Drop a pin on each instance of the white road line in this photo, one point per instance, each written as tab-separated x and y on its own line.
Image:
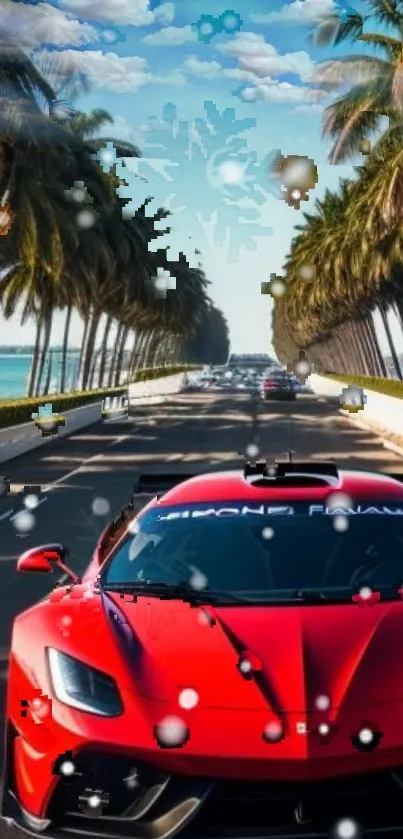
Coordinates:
84	464
20	512
9	513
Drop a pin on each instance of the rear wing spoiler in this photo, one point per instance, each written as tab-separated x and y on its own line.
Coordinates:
159	482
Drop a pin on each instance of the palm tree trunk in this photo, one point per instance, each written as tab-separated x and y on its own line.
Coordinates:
359	349
142	337
149	348
132	359
146	348
44	352
104	350
383	309
140	352
46	387
399	307
350	353
335	352
35	358
83	349
340	360
120	355
380	361
363	346
325	350
371	360
161	351
374	368
155	350
113	361
89	350
93	370
65	349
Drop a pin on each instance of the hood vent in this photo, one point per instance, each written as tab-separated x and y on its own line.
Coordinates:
292	474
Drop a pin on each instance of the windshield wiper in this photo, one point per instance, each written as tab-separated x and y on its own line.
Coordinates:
343	594
179	591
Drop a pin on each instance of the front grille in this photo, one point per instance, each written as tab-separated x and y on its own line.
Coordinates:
231	810
252	809
105	772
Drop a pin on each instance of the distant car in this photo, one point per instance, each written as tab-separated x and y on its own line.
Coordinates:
278	385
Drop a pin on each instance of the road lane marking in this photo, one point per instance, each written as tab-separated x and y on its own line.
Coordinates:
9	514
61	480
27	510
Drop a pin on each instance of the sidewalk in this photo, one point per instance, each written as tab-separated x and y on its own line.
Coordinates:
382	414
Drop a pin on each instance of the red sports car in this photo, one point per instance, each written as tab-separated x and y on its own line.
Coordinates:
229	665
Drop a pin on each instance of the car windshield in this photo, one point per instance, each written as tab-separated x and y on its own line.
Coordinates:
261	552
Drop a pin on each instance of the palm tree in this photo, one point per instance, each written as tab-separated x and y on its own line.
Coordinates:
209	343
374	80
331	309
104	272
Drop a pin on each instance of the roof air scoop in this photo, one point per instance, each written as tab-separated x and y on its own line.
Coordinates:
291	473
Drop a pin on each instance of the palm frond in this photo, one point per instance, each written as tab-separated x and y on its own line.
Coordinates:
391	46
387	12
331	30
352	69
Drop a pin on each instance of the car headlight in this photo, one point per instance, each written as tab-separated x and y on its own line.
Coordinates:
83	687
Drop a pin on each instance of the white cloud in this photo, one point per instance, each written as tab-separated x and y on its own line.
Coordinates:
309	109
213	70
175	79
201	69
266	88
32	26
165	14
285	92
256	56
172	36
120	12
300	12
108	71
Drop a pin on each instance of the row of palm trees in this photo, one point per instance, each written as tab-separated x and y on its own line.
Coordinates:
70	249
346	259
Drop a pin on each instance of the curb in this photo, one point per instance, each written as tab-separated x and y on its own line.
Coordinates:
365	426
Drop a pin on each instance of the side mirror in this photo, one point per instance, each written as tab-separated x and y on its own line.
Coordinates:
44	558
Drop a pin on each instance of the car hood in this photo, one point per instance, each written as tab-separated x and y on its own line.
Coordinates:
348	652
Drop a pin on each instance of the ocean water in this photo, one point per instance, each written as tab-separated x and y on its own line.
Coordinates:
15	369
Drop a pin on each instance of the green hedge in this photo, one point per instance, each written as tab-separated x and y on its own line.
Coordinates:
390	387
18	411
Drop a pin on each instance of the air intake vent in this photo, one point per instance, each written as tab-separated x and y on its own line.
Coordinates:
324	468
297	481
291	473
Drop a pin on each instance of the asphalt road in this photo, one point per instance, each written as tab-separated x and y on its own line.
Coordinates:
86	478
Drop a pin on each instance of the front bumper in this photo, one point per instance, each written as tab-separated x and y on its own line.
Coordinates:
159	805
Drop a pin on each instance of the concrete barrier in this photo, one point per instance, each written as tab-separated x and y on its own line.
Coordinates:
380	411
20	439
23	438
156	387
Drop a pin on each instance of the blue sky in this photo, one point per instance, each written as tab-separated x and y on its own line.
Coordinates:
149	69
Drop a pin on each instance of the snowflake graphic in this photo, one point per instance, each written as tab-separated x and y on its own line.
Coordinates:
112	35
207	27
247	93
230	22
106	157
204	173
